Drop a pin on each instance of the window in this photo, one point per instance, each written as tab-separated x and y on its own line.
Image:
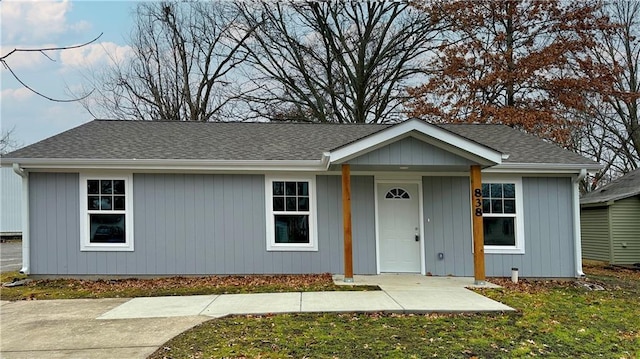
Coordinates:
106	213
502	216
397	193
290	214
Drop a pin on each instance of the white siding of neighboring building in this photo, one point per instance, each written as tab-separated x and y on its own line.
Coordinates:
10	201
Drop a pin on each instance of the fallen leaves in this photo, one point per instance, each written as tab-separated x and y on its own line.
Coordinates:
136	287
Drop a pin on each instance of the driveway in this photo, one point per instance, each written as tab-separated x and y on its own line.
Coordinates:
10	256
69	329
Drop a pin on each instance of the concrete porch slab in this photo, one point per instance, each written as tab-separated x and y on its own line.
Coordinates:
411	281
370	301
419	293
160	307
259	303
445	300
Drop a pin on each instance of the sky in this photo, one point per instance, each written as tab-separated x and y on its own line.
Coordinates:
37	24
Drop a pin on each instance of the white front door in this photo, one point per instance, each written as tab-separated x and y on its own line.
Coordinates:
399	227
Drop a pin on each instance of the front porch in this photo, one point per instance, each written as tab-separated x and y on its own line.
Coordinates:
415	293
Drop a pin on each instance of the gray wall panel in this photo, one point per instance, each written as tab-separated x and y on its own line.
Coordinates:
54	227
363	224
549	248
548	229
447	225
410	151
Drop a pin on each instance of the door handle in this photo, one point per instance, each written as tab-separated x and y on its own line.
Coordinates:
417	237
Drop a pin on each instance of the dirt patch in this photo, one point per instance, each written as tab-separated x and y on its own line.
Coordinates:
601	269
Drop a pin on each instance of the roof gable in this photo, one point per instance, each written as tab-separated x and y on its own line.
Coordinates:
411	151
429	133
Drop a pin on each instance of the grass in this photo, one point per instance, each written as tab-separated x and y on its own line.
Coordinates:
129	288
554	319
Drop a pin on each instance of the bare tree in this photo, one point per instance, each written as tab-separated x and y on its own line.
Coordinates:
7	142
611	133
334	61
180	69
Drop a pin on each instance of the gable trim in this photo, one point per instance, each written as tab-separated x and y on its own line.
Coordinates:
436	136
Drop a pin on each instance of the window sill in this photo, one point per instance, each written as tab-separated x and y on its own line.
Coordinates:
291	248
503	250
107	248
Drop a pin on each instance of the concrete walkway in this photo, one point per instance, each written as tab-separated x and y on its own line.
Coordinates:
400	294
134	328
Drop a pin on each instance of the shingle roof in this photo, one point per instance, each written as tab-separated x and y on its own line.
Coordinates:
623	187
521	147
116	139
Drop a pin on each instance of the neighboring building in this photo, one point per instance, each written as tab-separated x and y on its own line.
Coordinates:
10	203
170	198
610	221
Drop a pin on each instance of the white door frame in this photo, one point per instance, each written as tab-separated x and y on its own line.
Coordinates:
406	179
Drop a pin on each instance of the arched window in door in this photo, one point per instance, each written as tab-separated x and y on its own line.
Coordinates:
397	193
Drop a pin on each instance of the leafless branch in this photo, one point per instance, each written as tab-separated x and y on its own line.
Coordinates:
335	61
43	52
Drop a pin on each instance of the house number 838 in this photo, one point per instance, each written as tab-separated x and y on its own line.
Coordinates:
477	193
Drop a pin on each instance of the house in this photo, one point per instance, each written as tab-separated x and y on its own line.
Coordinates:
610	221
167	198
10	218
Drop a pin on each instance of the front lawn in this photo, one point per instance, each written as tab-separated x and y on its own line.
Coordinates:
554	319
129	288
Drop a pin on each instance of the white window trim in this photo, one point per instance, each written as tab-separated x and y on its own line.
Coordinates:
271	237
85	244
518	248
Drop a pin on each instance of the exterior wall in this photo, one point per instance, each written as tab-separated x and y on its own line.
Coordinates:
10	201
55	225
215	224
447	226
625	229
410	151
594	225
549	242
195	224
549	248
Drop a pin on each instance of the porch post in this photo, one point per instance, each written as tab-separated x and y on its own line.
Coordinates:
346	222
478	230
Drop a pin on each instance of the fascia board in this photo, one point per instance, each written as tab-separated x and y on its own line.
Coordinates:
187	165
401	130
542	168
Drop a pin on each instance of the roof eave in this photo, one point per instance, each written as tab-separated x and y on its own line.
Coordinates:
544	167
608	200
169	164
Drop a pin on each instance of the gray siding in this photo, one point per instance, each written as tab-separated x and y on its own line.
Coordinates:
195	224
330	228
10	201
447	226
410	151
594	229
548	229
55	224
625	229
